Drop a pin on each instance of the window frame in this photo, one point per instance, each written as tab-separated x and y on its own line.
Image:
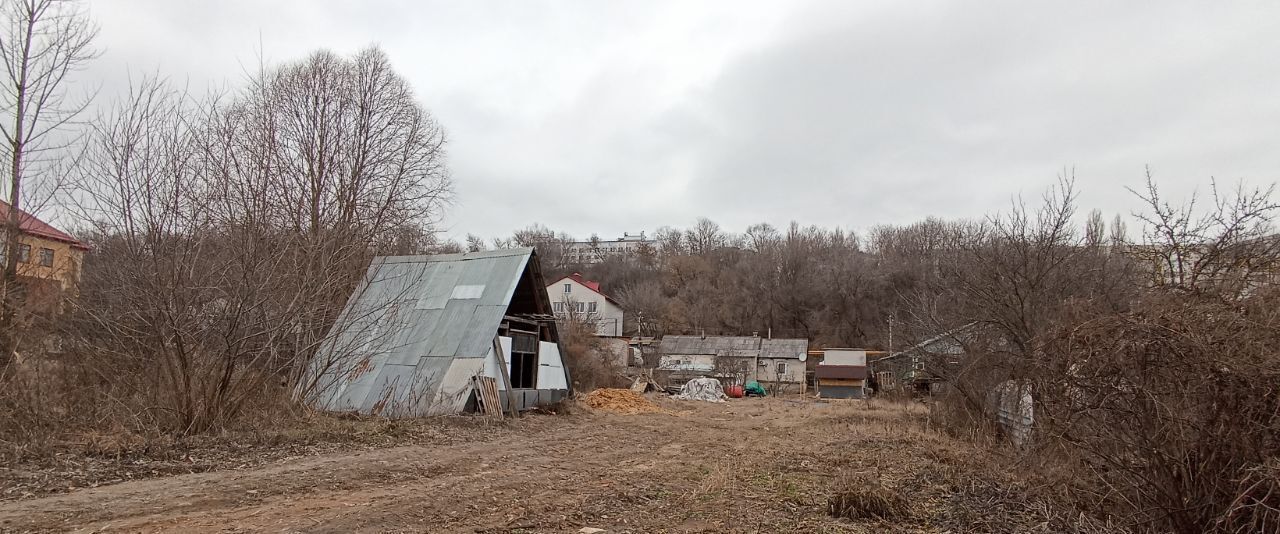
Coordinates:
568	288
24	253
46	253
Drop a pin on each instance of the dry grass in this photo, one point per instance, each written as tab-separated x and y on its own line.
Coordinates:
96	457
867	502
749	465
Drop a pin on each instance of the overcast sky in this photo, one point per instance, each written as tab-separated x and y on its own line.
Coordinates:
605	117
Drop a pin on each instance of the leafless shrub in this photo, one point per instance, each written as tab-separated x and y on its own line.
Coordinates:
1160	394
229	232
1170	406
586	357
1256	507
867	501
1227	250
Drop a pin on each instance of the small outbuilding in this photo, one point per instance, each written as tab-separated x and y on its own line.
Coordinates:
426	335
921	367
842	374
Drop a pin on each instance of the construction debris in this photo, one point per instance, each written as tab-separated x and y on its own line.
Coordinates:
702	389
644	384
623	401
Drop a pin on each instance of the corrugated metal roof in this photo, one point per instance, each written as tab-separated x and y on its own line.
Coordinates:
407	325
784	348
945	343
739	346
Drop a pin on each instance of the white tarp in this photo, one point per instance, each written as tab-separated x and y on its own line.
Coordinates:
702	389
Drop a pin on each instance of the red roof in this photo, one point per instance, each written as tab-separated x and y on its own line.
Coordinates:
594	286
31	225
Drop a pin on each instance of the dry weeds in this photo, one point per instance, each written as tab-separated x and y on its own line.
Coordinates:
748	465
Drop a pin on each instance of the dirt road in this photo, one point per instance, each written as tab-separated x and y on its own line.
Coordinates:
749	465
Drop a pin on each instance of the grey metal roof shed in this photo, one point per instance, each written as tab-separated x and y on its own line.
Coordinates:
419	328
735	346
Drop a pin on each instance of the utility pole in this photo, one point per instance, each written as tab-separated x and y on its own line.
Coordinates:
890	349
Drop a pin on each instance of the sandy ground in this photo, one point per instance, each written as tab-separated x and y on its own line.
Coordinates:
749	465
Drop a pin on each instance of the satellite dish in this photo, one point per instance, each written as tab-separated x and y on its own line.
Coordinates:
803	356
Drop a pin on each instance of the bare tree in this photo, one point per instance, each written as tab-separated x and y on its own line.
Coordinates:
475	243
41	43
1119	233
1095	230
705	236
232	230
552	247
1223	249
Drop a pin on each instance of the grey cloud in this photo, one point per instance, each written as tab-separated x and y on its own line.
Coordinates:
611	117
952	113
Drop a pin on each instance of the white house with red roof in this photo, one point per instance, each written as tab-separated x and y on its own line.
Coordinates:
575	296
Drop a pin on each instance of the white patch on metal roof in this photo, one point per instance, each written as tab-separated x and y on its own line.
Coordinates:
467	292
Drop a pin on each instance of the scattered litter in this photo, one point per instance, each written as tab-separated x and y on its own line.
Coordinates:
623	401
644	384
702	389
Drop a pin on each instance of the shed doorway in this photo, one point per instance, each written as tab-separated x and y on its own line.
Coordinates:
524	361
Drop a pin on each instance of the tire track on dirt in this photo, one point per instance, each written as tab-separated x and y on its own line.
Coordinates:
340	489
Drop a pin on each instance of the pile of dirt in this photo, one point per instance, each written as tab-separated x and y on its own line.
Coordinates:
623	401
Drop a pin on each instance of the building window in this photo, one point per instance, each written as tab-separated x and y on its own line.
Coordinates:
568	288
782	368
46	257
591	307
559	307
579	306
24	253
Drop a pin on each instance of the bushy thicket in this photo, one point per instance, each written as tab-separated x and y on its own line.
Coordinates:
1150	362
227	234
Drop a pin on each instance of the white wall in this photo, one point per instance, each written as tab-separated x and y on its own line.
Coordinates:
550	367
844	357
607	315
491	362
767	370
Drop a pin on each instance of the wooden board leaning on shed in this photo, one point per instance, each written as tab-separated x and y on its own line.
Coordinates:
487	395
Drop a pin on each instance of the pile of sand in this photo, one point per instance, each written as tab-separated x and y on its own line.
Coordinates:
623	401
